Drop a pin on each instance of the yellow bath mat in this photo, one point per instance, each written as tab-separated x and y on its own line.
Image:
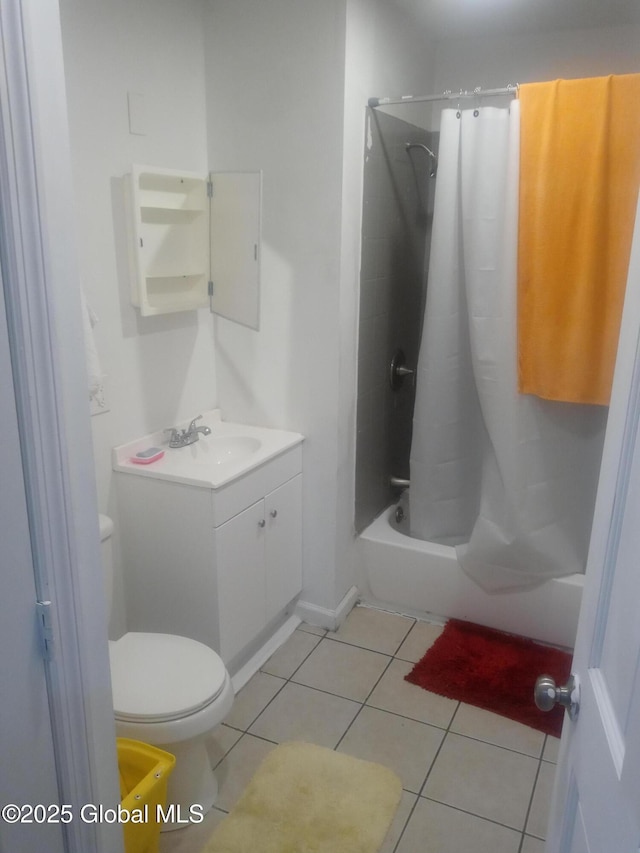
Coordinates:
309	799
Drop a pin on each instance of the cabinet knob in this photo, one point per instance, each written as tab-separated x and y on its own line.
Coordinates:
274	513
262	522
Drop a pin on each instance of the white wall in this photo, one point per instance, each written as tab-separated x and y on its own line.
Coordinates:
387	53
275	78
287	89
495	61
160	369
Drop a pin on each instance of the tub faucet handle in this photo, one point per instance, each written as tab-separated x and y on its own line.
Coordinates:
398	370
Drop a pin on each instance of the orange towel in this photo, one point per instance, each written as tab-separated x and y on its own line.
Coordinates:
579	177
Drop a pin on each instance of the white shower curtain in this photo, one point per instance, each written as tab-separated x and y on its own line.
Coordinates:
508	479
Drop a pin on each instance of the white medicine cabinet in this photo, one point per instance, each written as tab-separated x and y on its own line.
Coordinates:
195	240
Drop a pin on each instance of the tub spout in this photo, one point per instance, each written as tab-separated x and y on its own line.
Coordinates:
399	482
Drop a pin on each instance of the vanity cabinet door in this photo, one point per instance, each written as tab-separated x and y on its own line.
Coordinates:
241	579
283	554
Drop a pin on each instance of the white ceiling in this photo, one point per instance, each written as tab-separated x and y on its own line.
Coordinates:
464	18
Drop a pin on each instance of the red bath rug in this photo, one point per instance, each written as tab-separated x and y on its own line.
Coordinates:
494	671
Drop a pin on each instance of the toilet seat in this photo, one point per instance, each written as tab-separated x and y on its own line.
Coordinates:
163	677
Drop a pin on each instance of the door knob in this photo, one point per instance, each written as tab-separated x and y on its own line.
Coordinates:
547	695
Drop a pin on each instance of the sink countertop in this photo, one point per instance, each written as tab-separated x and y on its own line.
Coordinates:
231	451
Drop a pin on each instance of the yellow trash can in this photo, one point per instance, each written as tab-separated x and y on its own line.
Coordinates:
144	773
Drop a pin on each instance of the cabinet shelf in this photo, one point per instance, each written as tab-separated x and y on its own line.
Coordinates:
188	229
171	190
165	294
187	276
161	214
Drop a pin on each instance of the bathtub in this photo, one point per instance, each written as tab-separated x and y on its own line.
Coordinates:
424	579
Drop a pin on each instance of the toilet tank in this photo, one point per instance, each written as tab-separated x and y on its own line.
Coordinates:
106	530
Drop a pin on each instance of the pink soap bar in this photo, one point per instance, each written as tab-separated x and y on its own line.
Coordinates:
142	459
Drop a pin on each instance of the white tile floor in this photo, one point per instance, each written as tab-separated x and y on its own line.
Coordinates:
472	780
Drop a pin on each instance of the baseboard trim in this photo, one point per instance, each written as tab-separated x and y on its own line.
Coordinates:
322	617
263	654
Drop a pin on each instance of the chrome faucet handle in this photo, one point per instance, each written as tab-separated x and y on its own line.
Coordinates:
192	425
174	437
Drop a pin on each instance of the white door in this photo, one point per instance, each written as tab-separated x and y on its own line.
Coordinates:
28	774
596	804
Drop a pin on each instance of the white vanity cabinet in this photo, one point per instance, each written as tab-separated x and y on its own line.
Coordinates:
219	565
261	552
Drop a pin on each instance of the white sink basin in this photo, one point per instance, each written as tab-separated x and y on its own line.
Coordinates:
229	452
219	450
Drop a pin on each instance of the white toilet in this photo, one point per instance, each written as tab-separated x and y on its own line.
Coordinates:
171	692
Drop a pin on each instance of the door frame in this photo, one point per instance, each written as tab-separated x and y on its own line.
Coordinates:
37	252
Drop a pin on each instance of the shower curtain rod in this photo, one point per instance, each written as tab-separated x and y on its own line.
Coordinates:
510	89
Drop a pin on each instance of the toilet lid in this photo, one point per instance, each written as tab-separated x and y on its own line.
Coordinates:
162	676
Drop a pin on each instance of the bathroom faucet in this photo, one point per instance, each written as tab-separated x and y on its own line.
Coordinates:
182	438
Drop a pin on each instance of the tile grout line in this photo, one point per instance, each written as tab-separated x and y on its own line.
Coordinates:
415	622
391	659
479	739
533	791
358	646
479	816
246	731
277	693
289	680
364	703
286	680
522	832
447	731
424	782
339	695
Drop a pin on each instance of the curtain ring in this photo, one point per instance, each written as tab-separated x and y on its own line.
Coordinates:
476	92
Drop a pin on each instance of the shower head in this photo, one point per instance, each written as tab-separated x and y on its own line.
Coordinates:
434	160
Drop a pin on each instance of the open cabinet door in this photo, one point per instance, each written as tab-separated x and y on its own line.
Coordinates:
235	223
596	804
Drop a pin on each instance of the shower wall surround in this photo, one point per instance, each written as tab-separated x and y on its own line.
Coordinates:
396	230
